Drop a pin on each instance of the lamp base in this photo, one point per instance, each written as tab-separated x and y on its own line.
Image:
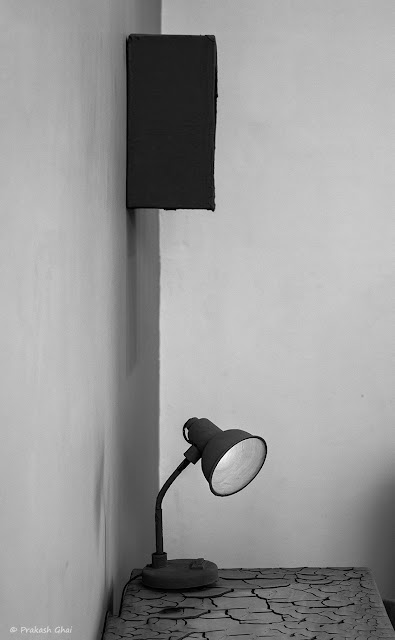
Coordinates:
181	574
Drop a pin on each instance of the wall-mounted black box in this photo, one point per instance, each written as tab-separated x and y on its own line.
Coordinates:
172	93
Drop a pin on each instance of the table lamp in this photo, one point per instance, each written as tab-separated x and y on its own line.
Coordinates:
230	460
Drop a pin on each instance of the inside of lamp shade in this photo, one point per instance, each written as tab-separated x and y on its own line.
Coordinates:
238	466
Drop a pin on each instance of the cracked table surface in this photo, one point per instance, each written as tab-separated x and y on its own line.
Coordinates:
301	603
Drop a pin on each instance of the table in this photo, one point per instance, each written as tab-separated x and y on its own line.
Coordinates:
301	603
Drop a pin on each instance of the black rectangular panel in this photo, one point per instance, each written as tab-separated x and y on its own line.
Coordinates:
172	93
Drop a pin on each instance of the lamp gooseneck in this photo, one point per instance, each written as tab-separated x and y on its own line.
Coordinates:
159	558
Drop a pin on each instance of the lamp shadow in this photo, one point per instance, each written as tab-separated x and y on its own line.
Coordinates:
380	536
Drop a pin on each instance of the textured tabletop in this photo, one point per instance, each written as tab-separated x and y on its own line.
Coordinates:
299	603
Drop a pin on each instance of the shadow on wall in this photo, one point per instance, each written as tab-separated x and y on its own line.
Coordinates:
381	538
139	440
131	293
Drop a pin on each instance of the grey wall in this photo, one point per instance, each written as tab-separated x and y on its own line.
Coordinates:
278	309
78	326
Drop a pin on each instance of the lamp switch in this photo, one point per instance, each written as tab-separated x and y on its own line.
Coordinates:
199	563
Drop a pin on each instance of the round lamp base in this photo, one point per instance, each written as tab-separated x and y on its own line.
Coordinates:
181	574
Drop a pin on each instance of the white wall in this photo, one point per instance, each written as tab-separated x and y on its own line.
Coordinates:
74	350
277	310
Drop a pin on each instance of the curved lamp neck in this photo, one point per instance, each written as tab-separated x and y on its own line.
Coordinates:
159	558
158	504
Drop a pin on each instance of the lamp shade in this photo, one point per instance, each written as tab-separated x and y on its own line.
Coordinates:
230	459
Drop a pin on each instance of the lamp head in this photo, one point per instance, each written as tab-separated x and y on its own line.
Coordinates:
230	459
